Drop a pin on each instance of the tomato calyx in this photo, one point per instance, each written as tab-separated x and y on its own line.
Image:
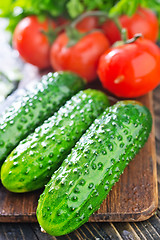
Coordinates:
74	34
52	34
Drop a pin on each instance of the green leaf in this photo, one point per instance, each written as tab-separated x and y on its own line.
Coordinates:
4	6
124	7
75	8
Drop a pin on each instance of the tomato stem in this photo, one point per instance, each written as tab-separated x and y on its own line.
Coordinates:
123	31
136	36
88	14
124	34
118	24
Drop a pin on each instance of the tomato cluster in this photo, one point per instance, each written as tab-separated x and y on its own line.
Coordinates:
128	70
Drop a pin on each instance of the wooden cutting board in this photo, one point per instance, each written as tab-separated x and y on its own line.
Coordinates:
133	198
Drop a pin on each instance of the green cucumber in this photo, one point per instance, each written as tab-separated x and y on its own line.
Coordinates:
32	163
37	105
94	165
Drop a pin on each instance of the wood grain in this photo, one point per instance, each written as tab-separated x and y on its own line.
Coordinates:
133	198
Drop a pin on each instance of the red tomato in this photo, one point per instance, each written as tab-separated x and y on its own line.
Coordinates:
82	58
111	31
32	45
88	23
143	21
130	70
61	21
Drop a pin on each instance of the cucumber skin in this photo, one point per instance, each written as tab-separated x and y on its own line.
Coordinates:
32	163
79	186
37	105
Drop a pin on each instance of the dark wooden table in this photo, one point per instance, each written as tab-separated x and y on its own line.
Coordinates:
149	229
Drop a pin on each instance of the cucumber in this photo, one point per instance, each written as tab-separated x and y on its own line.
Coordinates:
94	165
37	105
31	164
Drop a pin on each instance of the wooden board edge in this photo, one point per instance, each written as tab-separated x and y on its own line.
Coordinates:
128	217
18	218
114	217
154	156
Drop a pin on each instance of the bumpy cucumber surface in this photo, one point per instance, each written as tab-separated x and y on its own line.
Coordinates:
94	165
33	161
37	105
